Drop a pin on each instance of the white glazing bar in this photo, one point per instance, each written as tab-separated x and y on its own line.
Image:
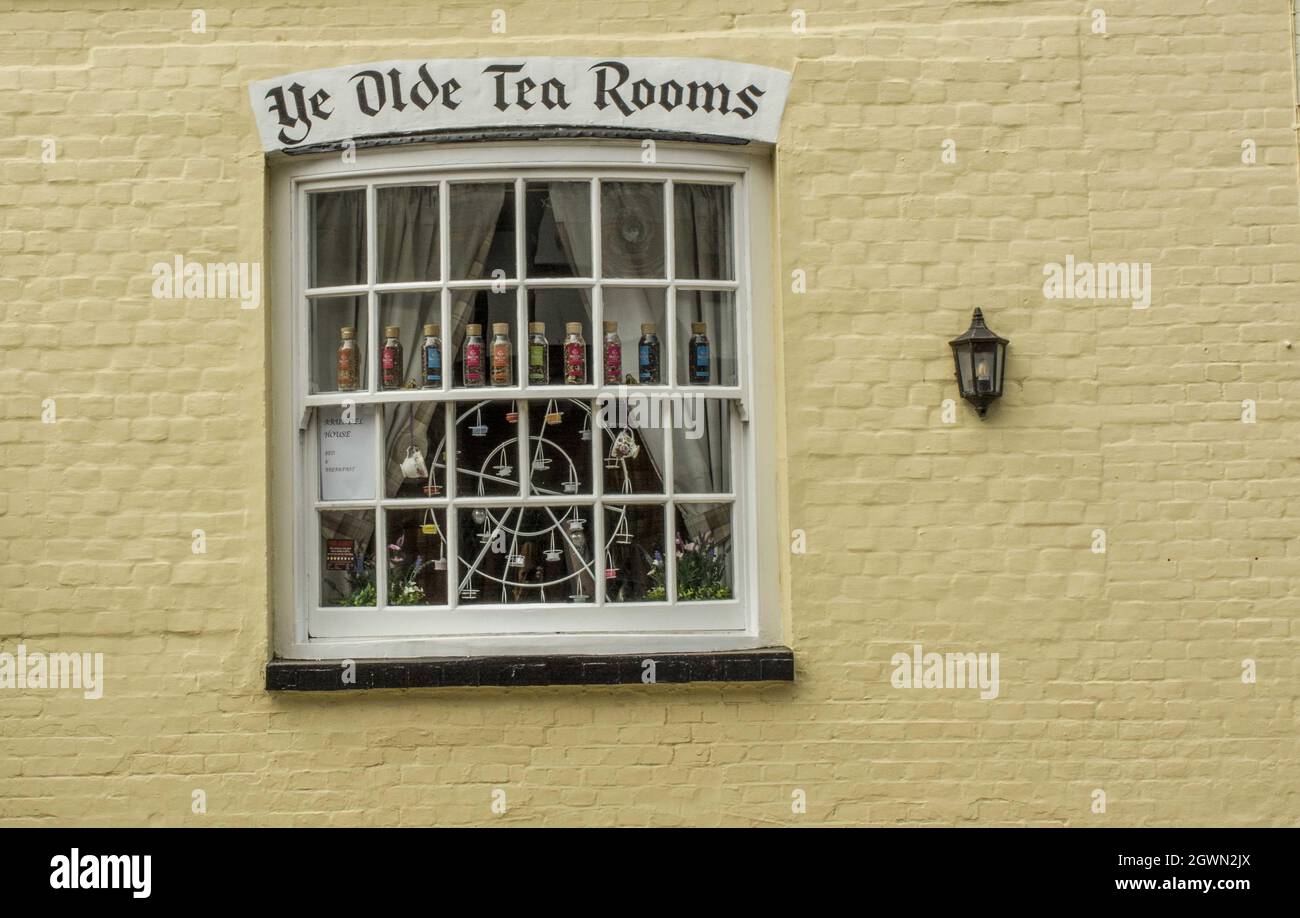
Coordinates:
520	340
452	526
381	521
597	432
523	451
670	343
444	266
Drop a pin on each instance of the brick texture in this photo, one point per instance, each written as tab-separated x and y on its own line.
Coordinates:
1120	671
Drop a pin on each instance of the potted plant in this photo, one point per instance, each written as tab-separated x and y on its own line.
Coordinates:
701	572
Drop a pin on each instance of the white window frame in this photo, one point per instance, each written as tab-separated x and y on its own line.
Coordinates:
751	619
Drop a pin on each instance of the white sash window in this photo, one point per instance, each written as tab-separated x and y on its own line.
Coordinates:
423	515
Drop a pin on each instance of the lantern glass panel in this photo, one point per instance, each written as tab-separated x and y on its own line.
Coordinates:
964	373
985	358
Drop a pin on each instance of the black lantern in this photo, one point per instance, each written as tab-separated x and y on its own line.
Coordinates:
981	358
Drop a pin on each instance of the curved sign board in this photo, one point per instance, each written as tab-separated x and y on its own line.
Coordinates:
635	94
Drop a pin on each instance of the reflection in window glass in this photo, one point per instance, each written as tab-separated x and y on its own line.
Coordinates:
417	557
482	232
702	231
525	555
347	557
478	311
703	548
635	567
702	447
410	313
340	339
559	447
531	480
706	338
638	313
487	448
407	225
550	312
558	221
416	446
338	238
632	229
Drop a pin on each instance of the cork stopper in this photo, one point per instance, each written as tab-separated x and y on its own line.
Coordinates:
348	332
391	331
610	327
431	331
537	328
500	328
473	329
573	328
698	328
648	328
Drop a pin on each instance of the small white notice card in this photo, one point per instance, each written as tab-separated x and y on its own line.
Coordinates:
347	453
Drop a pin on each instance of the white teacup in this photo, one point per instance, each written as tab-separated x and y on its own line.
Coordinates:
413	465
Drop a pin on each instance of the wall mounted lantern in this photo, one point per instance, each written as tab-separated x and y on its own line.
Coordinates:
981	358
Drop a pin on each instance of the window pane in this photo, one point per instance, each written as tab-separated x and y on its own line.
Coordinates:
559	447
638	313
416	446
702	447
482	230
635	569
706	338
632	443
487	450
338	238
417	557
339	363
347	451
704	556
562	361
409	313
408	233
632	229
347	557
476	312
702	231
558	218
518	555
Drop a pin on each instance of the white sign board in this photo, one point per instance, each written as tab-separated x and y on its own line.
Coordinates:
679	95
347	453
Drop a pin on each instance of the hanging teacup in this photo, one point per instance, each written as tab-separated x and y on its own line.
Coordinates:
624	446
413	465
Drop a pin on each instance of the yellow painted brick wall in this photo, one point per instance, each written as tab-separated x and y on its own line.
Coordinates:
1120	671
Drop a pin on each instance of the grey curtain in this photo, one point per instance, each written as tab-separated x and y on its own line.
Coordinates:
407	231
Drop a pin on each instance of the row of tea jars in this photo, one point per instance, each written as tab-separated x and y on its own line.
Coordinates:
485	363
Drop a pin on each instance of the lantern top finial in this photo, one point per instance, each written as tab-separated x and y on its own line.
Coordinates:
978	331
